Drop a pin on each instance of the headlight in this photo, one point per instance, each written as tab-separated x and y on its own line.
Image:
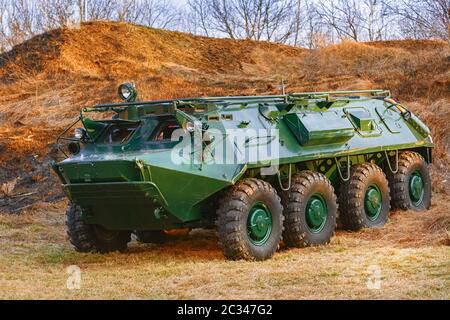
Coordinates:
80	133
127	92
190	127
74	148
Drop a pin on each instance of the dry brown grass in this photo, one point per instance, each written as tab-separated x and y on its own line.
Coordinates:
410	75
45	81
437	115
409	250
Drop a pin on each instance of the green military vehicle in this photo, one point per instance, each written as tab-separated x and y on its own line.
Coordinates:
262	170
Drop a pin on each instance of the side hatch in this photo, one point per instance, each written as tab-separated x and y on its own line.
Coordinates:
319	128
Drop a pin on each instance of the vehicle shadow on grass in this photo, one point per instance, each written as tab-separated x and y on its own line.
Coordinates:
197	244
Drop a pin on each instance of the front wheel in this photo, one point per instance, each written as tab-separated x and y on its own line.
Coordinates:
250	221
92	238
411	185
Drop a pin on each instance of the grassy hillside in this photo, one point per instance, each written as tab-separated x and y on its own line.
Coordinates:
46	80
50	76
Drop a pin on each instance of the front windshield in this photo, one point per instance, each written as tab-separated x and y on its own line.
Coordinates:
118	133
164	130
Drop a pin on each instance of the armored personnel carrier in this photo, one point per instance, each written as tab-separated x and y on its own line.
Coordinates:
262	170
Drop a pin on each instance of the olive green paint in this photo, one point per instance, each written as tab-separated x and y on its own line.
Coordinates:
316	213
135	185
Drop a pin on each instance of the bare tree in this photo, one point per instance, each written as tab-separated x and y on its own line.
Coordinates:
23	21
4	33
358	20
56	13
223	17
315	33
424	18
198	17
297	22
82	8
101	9
152	13
343	16
310	23
281	20
376	19
159	14
271	20
127	10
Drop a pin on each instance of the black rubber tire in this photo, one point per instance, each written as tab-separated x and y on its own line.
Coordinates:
296	233
232	215
408	163
80	234
85	237
351	201
151	236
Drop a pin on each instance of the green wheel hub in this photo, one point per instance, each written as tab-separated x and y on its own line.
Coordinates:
316	213
373	202
416	188
259	224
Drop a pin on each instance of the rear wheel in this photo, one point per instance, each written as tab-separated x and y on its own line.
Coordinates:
90	238
411	185
250	221
364	200
310	210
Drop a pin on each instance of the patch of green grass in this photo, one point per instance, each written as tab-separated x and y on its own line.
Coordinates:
51	255
4	227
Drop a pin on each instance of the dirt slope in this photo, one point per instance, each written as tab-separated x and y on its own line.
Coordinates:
46	80
53	74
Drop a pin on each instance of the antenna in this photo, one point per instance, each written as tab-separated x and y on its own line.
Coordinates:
85	11
282	87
